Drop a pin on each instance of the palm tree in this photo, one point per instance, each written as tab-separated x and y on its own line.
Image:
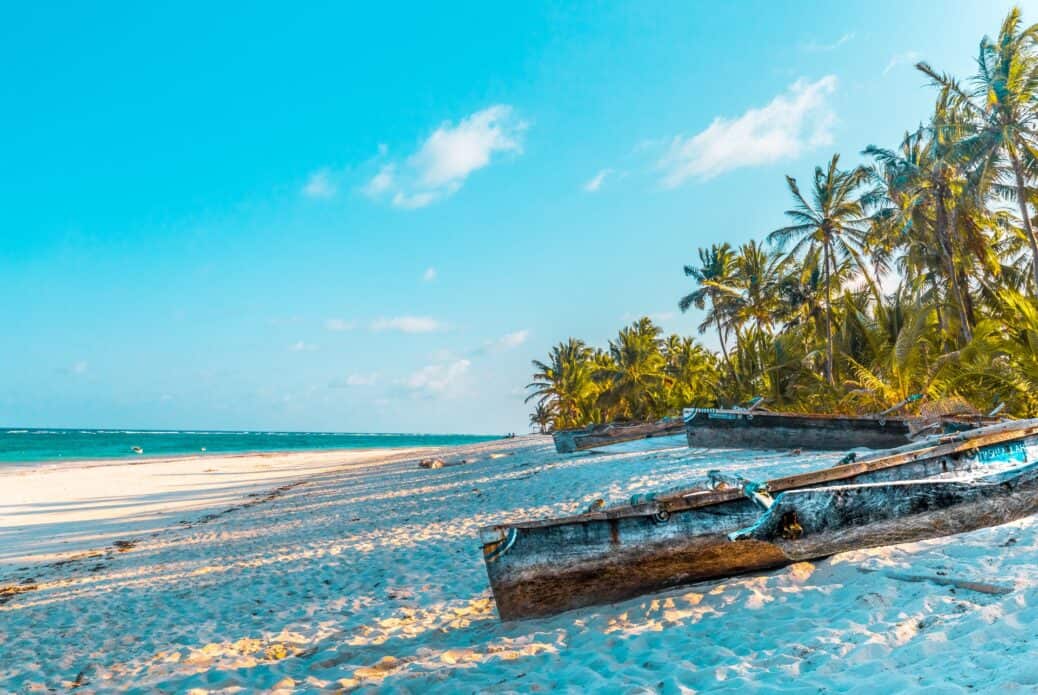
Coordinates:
921	181
564	384
755	280
1001	105
542	417
691	371
902	355
949	212
834	222
713	272
1001	363
633	384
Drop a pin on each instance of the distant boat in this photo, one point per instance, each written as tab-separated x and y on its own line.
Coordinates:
753	428
137	450
936	487
737	428
581	438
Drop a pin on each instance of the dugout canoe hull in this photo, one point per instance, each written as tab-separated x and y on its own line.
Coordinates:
592	436
742	429
912	493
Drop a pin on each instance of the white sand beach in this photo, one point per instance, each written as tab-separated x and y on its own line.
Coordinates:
330	571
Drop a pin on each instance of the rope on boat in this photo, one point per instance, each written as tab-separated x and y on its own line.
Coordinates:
502	546
758	492
898	406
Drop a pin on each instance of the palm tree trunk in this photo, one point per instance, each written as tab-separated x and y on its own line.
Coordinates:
937	305
720	338
944	237
1021	199
828	321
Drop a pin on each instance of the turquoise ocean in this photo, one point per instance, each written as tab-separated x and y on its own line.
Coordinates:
31	445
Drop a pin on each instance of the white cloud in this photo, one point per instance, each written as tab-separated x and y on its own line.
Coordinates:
597	180
815	47
906	58
408	324
300	346
512	340
443	355
793	122
506	342
453	152
338	325
368	379
429	275
444	161
320	185
380	182
413	201
77	368
437	379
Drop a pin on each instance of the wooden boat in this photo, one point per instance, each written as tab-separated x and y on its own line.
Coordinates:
944	485
737	428
581	438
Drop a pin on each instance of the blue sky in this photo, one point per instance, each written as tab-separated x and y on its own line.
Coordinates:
330	217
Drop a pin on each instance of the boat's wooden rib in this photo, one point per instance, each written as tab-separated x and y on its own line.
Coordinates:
916	491
582	438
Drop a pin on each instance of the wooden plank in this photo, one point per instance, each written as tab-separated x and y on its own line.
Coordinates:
979	587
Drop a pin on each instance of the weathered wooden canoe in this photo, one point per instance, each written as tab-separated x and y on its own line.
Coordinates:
745	429
944	485
581	438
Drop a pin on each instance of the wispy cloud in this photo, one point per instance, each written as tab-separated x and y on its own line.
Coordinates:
77	368
509	341
408	324
512	340
446	158
380	182
437	379
338	325
369	379
797	120
320	185
906	58
596	181
300	346
818	47
429	275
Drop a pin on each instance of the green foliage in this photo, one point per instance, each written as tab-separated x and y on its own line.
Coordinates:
946	216
641	376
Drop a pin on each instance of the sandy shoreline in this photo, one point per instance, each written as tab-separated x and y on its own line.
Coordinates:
46	508
332	572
